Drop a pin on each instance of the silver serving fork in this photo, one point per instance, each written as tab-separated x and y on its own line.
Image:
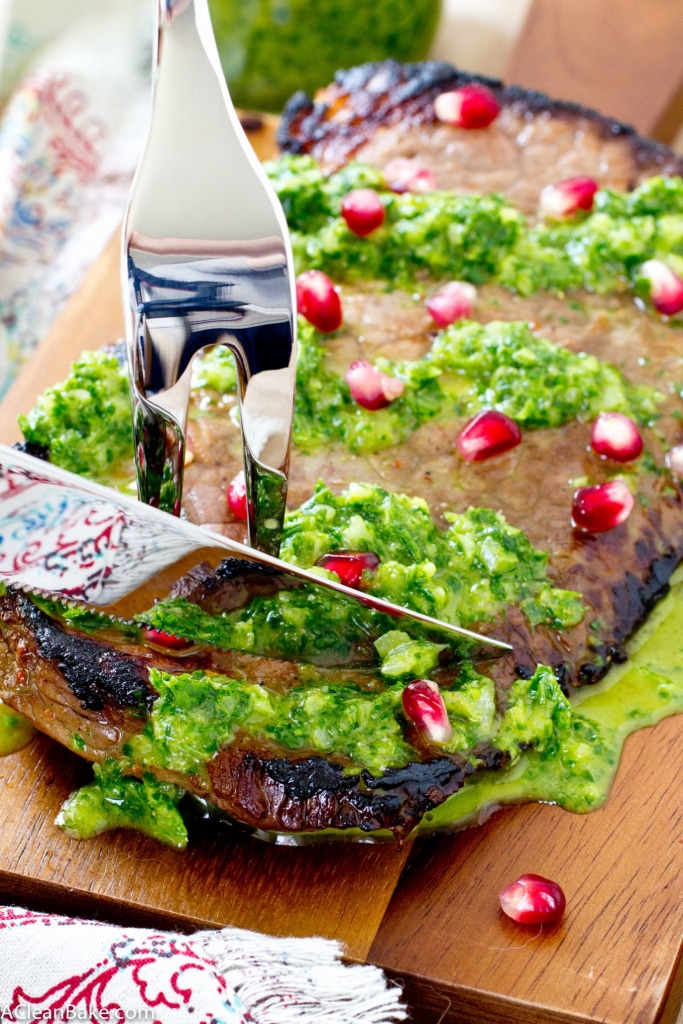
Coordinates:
206	261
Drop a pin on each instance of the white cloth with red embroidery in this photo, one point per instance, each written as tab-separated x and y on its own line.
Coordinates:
71	133
59	969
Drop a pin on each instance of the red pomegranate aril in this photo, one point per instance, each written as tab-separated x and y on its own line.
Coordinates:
404	175
666	287
487	434
363	211
533	899
160	638
568	197
237	496
472	106
349	566
372	388
601	507
616	437
454	301
318	301
674	460
424	706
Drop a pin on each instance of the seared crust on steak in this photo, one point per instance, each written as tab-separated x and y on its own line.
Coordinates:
42	669
312	793
233	584
378	111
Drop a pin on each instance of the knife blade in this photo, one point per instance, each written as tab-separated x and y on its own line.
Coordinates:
64	536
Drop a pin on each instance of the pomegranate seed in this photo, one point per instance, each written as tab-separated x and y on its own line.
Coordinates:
363	211
487	434
617	437
161	638
567	197
404	175
674	460
601	507
349	566
533	899
318	300
473	106
424	706
372	388
237	496
666	287
452	302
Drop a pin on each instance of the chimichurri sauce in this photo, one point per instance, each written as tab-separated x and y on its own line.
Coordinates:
646	689
15	730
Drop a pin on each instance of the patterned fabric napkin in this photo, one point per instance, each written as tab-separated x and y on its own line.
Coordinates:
59	969
71	133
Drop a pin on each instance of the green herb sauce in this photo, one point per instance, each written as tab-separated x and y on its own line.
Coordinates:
114	800
479	238
198	713
15	730
577	770
466	574
572	764
270	50
470	367
86	420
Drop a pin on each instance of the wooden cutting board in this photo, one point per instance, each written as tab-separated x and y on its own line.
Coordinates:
428	914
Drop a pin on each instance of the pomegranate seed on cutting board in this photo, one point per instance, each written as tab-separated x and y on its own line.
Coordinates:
533	899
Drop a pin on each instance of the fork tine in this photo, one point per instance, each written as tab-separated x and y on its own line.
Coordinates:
206	261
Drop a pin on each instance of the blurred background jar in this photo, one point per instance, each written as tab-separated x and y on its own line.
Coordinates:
271	48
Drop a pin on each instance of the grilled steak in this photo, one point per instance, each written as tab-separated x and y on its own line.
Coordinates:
374	114
99	692
380	111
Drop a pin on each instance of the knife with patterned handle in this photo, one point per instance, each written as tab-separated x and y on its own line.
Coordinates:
68	538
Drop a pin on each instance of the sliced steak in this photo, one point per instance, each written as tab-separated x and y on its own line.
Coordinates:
95	710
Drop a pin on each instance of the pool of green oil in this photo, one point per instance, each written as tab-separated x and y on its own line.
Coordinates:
639	693
15	730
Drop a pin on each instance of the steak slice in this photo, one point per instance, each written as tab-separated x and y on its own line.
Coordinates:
94	695
379	111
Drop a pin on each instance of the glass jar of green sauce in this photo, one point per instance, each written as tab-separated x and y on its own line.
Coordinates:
271	48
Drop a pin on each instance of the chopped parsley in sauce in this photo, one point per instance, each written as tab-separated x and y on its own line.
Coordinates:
479	238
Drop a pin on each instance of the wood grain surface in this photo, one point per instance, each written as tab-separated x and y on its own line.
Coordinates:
428	914
622	57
